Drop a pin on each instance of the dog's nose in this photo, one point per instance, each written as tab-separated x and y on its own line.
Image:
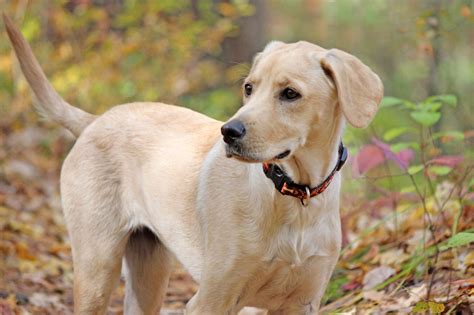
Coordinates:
233	130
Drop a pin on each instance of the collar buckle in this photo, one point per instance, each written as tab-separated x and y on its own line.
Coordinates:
305	199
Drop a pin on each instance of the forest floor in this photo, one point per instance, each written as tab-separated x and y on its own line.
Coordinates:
391	263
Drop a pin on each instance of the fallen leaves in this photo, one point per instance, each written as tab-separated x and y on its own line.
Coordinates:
377	276
393	262
430	306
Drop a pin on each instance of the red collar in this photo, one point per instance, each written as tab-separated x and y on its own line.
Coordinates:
286	186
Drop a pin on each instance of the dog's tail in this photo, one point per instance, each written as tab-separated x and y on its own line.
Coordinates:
51	105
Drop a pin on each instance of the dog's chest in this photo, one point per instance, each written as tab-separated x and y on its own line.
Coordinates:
295	244
288	268
293	247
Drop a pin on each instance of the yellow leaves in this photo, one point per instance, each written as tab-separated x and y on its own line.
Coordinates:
23	252
235	73
65	50
236	8
59	249
8	304
129	47
465	11
55	267
22	86
420	22
25	228
226	9
415	215
469	260
5	62
68	79
27	266
433	208
432	307
60	20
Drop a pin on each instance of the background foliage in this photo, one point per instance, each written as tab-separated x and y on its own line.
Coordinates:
407	208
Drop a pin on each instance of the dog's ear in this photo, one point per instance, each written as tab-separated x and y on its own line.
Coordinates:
359	89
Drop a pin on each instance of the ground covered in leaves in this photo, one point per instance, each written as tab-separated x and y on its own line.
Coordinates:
391	261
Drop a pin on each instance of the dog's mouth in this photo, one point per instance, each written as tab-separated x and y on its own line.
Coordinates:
238	153
233	151
282	155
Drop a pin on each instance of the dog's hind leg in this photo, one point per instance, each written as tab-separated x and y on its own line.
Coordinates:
97	225
97	267
148	266
98	246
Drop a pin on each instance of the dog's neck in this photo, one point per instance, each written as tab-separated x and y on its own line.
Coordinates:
294	227
311	164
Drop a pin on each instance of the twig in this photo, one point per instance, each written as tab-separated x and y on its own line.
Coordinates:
377	177
449	280
391	187
461	203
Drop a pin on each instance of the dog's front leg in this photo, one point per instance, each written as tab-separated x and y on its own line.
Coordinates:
323	269
305	300
219	290
209	301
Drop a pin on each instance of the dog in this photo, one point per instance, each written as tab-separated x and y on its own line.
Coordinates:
250	207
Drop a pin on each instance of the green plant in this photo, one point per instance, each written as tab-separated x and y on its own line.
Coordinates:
424	174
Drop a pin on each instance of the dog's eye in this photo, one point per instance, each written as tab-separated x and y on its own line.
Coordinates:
248	89
289	94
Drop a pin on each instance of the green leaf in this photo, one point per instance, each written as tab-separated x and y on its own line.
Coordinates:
460	239
390	101
412	170
408	189
427	119
430	107
31	29
448	99
471	183
440	170
394	132
409	105
397	147
455	135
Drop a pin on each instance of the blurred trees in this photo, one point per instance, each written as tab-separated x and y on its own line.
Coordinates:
419	48
194	52
101	53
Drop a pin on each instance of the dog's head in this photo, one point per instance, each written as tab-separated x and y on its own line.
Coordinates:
294	91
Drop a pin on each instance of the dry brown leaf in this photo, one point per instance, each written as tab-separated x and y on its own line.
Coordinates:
377	276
